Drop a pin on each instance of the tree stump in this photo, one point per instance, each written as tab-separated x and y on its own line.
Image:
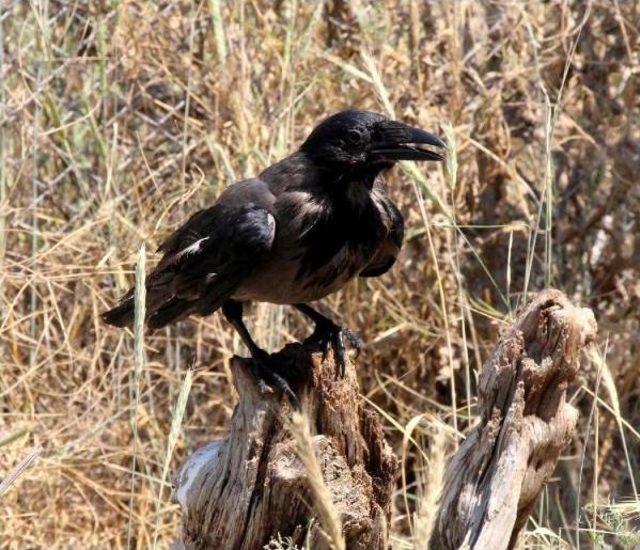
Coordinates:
495	477
241	491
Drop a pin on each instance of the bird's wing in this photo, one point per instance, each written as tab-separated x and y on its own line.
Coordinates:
389	248
204	262
188	233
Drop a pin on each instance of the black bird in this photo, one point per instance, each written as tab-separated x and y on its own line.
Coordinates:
296	233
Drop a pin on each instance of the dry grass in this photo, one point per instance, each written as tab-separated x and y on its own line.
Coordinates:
321	500
121	117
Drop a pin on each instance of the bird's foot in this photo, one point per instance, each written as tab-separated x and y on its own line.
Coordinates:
330	335
265	376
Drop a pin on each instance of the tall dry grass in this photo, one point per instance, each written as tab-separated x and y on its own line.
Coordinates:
119	118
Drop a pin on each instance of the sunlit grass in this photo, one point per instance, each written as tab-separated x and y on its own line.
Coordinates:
119	120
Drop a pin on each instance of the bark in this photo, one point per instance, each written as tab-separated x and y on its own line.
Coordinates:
240	492
494	479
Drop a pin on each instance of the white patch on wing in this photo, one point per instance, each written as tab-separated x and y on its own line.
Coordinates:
271	224
210	277
191	249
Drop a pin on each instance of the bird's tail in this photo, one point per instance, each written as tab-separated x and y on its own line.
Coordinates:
170	311
121	315
168	300
161	308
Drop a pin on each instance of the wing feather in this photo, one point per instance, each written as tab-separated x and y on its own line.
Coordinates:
206	259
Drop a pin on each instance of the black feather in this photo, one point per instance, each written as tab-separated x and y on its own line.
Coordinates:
334	220
174	310
121	315
230	237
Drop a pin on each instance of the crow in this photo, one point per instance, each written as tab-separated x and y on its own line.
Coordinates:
299	231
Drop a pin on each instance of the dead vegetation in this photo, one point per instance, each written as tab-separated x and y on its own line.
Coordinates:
120	118
325	477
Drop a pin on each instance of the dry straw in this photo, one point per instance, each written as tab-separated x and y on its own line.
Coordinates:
119	119
322	502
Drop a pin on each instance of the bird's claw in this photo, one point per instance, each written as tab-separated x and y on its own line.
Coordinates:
333	336
266	377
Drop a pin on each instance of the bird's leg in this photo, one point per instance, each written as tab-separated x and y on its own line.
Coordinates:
261	361
328	333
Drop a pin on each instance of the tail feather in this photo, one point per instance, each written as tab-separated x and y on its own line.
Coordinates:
121	315
165	305
158	294
174	310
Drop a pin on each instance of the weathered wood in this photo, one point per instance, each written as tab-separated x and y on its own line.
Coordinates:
495	477
239	492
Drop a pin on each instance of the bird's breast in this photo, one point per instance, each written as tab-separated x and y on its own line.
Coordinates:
279	281
319	246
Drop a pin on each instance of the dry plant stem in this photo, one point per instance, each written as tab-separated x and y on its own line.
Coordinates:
495	477
271	476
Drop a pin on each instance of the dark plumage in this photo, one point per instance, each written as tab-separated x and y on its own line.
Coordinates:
296	233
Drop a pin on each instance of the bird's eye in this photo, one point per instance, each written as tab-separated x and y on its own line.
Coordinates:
354	137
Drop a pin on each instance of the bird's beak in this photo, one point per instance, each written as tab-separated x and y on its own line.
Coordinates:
396	141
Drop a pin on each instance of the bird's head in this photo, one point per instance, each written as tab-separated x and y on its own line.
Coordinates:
354	142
